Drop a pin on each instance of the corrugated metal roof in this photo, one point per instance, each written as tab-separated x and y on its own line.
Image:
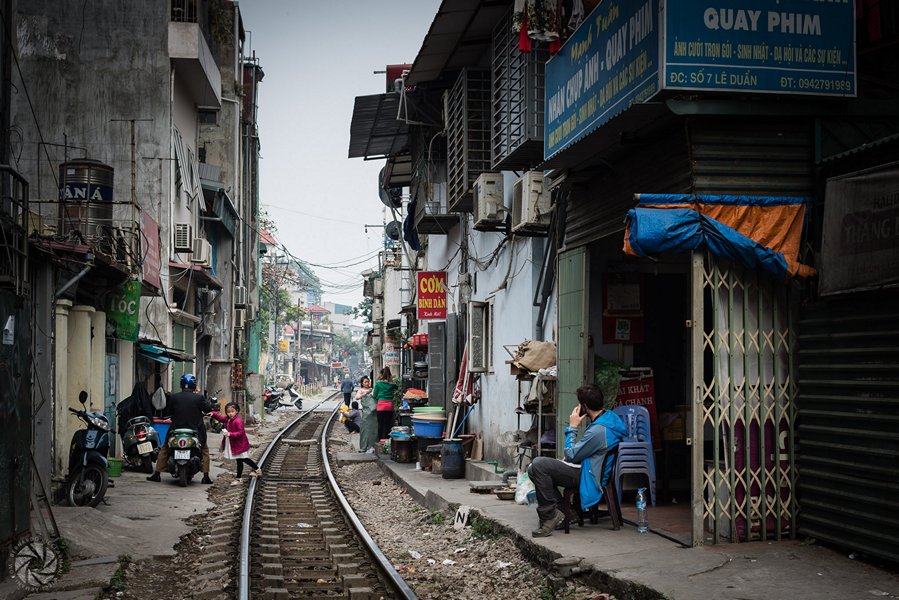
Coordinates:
375	131
460	36
588	149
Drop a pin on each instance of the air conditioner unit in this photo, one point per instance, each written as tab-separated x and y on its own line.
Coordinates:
530	205
202	254
184	237
251	312
240	318
488	201
240	295
379	287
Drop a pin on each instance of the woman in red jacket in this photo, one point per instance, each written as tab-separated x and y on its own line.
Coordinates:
235	443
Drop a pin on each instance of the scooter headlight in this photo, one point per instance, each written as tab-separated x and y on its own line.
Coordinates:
99	423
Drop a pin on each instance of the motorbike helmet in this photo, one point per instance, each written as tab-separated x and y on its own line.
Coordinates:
188	382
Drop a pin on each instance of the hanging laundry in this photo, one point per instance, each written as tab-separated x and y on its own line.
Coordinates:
544	21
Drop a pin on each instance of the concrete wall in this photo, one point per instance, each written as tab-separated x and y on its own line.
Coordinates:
514	317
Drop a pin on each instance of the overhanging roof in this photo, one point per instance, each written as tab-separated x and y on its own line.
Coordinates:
589	148
398	172
375	131
460	36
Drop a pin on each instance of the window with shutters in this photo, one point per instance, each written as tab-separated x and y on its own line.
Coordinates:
480	337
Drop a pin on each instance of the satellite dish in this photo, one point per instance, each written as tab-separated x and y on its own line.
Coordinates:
391	197
393	230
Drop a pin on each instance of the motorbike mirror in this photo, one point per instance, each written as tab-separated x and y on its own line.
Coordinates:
82	397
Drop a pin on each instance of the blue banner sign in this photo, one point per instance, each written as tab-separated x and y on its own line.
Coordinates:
788	47
609	63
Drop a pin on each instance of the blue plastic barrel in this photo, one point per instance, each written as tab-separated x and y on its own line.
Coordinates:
453	459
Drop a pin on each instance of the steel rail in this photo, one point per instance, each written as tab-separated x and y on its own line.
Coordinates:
393	578
243	576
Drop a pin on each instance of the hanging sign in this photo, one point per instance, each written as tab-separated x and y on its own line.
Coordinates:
622	313
431	295
122	310
391	354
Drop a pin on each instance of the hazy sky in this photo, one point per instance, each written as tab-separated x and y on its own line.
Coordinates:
317	57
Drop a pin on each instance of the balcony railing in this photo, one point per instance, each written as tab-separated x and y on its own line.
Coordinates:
91	227
184	11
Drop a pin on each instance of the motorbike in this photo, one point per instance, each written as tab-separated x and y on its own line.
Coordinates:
213	425
274	398
271	397
292	399
140	444
88	477
184	455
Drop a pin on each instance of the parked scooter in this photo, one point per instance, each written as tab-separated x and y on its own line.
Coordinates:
292	399
184	455
214	425
88	476
140	444
271	397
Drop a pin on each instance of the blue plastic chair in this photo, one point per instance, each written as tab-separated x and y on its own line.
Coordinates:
635	453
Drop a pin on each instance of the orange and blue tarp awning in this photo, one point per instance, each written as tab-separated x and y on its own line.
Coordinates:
759	232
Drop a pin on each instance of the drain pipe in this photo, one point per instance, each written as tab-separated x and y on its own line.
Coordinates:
72	281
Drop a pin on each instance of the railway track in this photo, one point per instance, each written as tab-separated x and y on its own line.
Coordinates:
299	536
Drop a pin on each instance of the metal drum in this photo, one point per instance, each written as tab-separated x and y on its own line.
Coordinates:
85	197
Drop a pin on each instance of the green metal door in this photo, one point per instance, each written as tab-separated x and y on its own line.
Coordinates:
572	347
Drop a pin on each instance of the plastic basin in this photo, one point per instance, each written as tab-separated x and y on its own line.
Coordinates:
428	427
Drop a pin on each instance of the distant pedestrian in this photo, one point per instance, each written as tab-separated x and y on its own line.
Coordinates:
347	388
383	392
235	443
369	424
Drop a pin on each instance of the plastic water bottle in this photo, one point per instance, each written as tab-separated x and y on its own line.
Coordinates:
642	520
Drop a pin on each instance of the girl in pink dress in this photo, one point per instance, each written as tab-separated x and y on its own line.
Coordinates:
235	443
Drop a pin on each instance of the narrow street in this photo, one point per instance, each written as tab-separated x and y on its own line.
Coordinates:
551	299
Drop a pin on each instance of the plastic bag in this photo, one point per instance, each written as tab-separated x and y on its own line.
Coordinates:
158	400
523	485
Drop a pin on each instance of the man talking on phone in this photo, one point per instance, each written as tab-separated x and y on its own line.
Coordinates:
583	459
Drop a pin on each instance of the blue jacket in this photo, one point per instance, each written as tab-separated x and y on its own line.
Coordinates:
347	386
590	451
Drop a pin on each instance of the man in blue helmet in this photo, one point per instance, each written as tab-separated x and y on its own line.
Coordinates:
186	409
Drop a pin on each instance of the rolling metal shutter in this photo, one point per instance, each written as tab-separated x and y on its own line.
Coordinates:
661	167
849	422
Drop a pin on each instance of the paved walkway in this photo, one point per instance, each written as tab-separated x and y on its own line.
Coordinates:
141	519
633	565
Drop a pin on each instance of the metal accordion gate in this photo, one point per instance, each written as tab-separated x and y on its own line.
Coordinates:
744	418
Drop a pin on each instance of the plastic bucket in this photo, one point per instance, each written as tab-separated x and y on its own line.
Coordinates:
453	458
428	428
115	467
162	429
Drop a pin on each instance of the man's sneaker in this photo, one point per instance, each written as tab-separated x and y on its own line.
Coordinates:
548	526
205	478
153	477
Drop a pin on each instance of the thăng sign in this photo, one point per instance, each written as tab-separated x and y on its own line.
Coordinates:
431	295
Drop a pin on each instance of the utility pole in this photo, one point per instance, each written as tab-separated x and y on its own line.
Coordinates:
299	365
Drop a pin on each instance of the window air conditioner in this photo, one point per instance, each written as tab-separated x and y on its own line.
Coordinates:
240	296
488	201
530	205
184	237
240	318
202	252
